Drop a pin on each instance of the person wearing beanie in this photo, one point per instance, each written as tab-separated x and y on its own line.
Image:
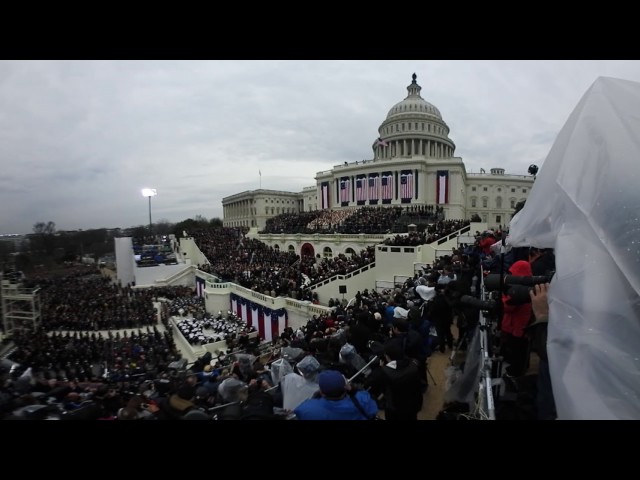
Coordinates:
337	401
514	344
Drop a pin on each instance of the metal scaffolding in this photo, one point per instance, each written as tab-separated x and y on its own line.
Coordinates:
21	306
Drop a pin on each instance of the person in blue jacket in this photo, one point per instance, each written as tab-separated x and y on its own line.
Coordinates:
337	401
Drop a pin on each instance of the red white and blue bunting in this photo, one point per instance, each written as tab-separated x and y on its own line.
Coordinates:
268	322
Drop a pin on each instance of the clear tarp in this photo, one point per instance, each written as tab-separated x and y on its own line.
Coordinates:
297	388
349	356
585	203
464	385
279	369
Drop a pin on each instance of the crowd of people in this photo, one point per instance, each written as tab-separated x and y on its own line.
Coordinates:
56	374
301	222
208	328
329	220
365	219
87	300
365	357
90	357
254	265
370	220
432	233
318	271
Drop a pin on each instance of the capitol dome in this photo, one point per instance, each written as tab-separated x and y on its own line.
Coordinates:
413	127
414	103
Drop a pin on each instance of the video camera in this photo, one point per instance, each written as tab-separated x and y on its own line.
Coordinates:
515	287
492	281
490	304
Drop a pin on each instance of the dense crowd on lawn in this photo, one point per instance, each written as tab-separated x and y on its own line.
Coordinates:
133	375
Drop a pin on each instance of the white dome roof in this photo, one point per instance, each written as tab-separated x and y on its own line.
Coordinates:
414	103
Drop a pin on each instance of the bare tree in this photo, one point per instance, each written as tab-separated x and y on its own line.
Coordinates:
45	239
42	228
202	221
163	227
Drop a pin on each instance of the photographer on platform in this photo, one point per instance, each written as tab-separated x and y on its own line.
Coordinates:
516	316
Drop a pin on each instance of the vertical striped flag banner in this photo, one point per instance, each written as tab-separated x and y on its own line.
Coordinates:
361	189
234	303
324	194
253	321
268	322
200	285
249	317
387	185
442	187
406	185
373	188
345	191
261	330
278	324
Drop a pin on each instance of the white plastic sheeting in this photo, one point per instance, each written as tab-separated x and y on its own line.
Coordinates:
296	389
586	204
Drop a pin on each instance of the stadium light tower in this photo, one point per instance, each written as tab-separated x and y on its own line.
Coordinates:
149	192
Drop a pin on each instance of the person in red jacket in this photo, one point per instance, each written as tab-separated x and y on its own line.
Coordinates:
488	239
515	318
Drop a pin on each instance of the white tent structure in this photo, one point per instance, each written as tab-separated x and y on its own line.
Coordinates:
585	203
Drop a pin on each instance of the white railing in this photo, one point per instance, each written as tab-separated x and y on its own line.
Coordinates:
176	276
343	276
307	307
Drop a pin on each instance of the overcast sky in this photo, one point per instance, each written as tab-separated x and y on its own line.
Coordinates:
79	139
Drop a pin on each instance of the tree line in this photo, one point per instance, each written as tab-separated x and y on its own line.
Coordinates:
47	246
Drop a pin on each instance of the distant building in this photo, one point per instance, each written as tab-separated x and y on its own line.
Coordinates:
253	208
413	164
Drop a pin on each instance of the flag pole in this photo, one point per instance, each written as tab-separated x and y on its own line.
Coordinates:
260	173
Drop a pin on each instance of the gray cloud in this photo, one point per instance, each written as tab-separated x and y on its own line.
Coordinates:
79	139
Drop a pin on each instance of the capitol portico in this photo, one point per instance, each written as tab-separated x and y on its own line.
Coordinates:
413	164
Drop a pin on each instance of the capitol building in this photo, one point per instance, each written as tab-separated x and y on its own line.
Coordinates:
413	165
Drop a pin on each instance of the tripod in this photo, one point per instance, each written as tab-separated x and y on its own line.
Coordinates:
429	372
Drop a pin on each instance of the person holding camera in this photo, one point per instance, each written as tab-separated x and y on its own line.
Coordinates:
516	316
399	380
